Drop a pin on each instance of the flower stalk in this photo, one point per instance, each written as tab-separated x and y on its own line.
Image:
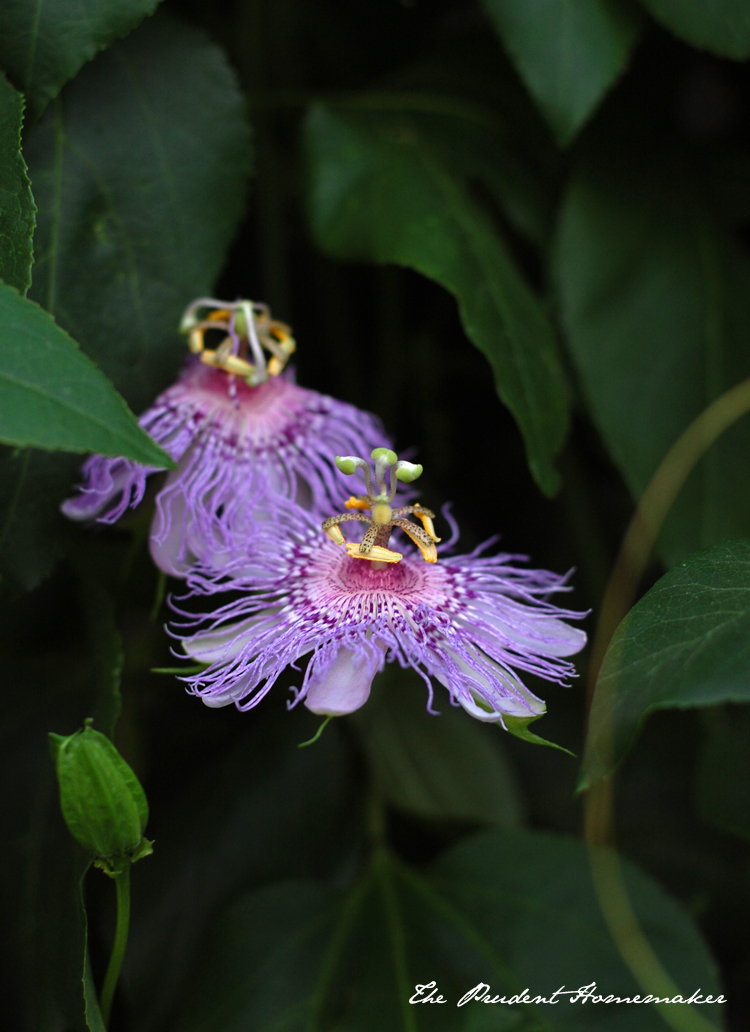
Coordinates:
122	884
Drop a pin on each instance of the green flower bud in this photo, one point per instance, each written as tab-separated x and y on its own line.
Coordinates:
384	453
408	472
102	800
347	463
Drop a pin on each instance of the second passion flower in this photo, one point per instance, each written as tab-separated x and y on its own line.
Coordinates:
240	429
474	623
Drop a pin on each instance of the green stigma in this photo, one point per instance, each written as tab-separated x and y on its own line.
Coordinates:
408	472
387	456
347	463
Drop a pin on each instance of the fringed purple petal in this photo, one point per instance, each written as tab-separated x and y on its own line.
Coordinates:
474	623
236	452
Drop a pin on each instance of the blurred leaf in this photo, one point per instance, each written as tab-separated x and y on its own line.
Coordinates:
43	43
33	532
139	171
93	1015
16	203
108	658
52	396
381	192
447	766
686	643
568	54
266	810
656	306
722	26
723	772
41	866
513	909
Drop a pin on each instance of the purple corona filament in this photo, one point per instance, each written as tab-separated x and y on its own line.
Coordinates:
233	442
475	624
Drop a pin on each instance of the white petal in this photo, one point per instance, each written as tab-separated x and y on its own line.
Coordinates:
522	703
224	644
171	555
343	687
547	636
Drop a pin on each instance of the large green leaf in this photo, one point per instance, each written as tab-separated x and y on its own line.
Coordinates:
686	643
446	766
139	171
43	43
16	203
656	306
382	191
515	910
52	396
568	54
721	26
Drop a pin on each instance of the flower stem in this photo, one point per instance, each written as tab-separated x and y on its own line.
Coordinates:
122	883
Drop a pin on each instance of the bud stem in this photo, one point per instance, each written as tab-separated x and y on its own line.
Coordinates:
122	883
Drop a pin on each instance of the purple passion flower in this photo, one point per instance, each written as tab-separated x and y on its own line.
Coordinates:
234	441
473	623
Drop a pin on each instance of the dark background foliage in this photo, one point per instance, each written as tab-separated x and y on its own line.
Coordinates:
519	235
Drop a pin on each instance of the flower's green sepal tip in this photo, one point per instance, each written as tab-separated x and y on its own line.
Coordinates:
346	463
384	453
101	799
408	472
115	865
519	726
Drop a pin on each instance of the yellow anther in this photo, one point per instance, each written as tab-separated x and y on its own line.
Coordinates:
429	552
356	503
195	340
229	363
427	524
335	535
236	365
376	553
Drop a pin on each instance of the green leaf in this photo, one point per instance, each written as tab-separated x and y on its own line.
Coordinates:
44	921
656	307
139	171
568	54
721	26
93	1014
381	192
33	533
447	766
519	726
43	43
262	810
515	910
686	643
52	396
723	773
16	203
